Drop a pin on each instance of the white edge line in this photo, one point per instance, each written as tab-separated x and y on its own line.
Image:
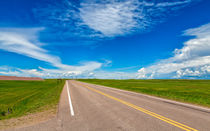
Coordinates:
70	103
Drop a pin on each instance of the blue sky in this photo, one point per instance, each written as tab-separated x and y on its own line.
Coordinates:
118	39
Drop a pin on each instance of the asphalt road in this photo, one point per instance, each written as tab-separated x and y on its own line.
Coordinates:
97	108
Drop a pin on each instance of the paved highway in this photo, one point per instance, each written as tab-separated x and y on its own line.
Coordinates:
88	107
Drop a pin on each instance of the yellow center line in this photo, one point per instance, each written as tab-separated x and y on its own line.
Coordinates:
172	122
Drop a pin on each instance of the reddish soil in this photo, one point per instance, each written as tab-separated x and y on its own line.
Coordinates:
19	78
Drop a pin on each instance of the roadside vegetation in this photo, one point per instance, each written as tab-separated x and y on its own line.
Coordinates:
190	91
18	98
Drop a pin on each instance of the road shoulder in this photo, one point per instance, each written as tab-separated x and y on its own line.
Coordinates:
28	120
187	105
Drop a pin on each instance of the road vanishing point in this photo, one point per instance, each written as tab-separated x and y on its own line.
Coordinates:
89	107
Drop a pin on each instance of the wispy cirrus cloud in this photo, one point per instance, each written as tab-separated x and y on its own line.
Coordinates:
191	61
25	41
117	18
107	18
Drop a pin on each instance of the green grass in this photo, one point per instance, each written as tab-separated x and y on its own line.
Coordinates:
18	98
189	91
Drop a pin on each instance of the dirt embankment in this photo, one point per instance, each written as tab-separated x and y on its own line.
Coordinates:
19	78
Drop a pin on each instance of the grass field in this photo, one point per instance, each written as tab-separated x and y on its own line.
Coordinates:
18	98
190	91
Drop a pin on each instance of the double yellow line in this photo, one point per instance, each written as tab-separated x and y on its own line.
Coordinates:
172	122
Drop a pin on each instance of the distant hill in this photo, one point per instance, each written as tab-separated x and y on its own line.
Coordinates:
19	78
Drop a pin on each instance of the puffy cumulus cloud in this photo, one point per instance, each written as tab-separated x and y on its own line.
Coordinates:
112	75
191	61
46	73
107	18
59	73
142	73
25	41
196	72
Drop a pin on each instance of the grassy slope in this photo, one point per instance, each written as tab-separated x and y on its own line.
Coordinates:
22	97
191	91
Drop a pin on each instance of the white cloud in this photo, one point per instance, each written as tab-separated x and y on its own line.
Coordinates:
112	75
192	60
163	4
25	41
114	18
142	73
106	18
82	71
62	73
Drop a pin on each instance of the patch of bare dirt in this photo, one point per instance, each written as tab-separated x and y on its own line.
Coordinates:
28	120
19	78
